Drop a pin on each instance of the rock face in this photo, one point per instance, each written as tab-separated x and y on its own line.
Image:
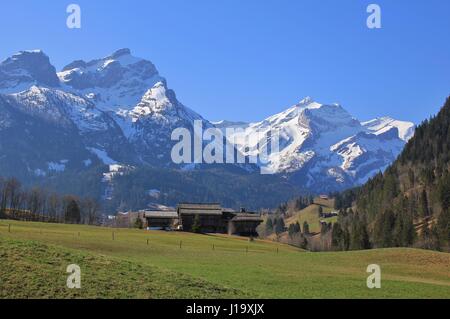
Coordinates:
118	110
25	69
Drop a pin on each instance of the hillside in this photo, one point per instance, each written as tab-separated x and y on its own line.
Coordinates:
413	194
310	215
34	270
204	267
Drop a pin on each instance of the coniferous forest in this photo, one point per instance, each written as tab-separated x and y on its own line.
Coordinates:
409	204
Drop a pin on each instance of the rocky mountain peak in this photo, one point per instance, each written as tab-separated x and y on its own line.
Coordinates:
115	82
26	68
121	52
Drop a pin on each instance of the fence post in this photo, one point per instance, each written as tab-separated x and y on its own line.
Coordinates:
214	247
112	235
9	228
147	242
180	243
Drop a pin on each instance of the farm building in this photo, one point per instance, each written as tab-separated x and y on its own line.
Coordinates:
207	218
160	219
213	219
244	224
210	217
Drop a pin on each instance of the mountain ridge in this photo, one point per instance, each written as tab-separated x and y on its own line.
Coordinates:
121	112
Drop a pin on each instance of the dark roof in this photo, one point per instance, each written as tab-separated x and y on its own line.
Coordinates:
200	205
200	209
247	218
160	214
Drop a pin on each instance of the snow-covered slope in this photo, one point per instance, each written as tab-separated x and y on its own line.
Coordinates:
384	124
119	106
323	145
149	125
119	110
115	82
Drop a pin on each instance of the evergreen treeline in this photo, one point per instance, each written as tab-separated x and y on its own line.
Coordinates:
294	205
37	204
408	205
276	225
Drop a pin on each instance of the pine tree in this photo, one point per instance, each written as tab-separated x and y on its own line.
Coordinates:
365	240
443	190
408	234
411	177
359	237
337	237
291	230
306	228
269	226
346	243
423	204
196	226
72	213
279	226
139	224
443	226
425	231
297	228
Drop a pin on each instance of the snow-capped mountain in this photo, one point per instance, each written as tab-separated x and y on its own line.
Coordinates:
149	125
113	83
119	106
119	111
323	145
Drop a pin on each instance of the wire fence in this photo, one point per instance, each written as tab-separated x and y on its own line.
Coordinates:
113	236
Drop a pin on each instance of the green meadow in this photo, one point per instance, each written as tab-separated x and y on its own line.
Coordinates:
129	263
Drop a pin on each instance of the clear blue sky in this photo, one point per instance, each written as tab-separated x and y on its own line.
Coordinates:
247	59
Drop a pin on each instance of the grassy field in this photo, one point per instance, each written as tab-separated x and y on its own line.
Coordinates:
34	257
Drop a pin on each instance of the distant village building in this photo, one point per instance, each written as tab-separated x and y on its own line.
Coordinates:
210	218
328	215
244	224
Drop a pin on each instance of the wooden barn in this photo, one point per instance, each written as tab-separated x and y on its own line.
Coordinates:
209	217
244	224
160	219
212	218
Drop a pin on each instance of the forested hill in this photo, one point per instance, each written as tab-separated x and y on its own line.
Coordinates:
408	205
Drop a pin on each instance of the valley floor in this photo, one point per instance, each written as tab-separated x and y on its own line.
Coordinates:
127	263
